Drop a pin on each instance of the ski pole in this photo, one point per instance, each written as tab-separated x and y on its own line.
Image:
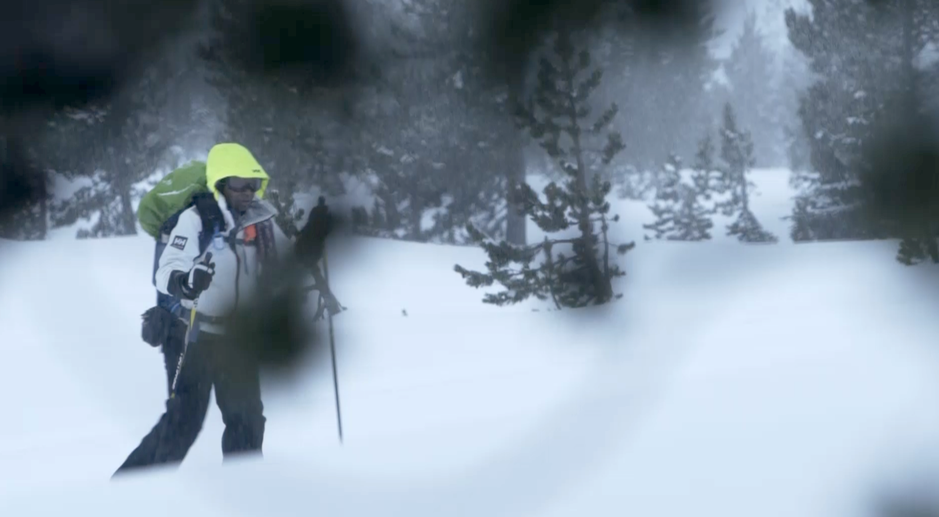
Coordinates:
332	348
191	334
182	355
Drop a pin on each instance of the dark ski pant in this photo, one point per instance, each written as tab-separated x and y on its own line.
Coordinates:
210	361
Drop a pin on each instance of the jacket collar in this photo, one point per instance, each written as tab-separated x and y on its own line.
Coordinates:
258	211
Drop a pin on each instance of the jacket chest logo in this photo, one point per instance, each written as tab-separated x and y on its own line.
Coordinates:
179	242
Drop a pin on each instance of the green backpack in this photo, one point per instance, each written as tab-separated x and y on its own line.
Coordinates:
158	213
170	196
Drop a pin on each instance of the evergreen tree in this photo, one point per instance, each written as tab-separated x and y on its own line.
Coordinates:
280	114
756	96
662	83
793	80
914	250
856	94
667	199
559	109
737	154
113	149
31	221
707	176
900	179
408	188
679	213
797	149
445	156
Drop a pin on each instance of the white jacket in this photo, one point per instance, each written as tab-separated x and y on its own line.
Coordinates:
236	271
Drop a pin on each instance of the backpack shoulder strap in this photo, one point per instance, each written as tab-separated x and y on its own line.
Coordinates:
209	213
212	221
211	216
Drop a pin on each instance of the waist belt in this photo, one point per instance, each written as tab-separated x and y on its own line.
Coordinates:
186	314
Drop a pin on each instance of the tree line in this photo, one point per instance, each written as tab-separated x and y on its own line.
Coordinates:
419	123
444	149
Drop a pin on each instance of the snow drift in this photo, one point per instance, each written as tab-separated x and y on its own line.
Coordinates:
730	380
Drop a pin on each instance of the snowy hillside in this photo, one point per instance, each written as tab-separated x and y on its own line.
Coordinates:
730	380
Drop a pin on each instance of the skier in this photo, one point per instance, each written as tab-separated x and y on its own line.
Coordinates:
163	325
210	283
310	248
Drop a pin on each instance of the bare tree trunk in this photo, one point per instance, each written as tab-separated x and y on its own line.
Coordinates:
606	246
515	219
44	215
549	262
513	152
128	217
911	113
417	213
744	194
118	174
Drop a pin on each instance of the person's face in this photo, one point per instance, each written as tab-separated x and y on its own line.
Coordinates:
239	192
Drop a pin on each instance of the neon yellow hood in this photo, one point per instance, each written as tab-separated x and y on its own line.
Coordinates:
233	160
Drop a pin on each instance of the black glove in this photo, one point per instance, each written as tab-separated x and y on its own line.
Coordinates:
190	285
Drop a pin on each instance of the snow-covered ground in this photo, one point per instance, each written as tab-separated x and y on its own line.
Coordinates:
730	380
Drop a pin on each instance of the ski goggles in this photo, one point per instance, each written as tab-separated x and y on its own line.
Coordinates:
236	184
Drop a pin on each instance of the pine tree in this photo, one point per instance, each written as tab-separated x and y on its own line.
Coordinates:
679	213
793	80
408	189
576	271
797	149
445	156
31	221
737	155
662	83
751	72
855	96
280	115
667	199
707	176
113	148
833	115
914	250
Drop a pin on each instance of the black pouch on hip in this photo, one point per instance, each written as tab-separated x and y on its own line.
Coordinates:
157	325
